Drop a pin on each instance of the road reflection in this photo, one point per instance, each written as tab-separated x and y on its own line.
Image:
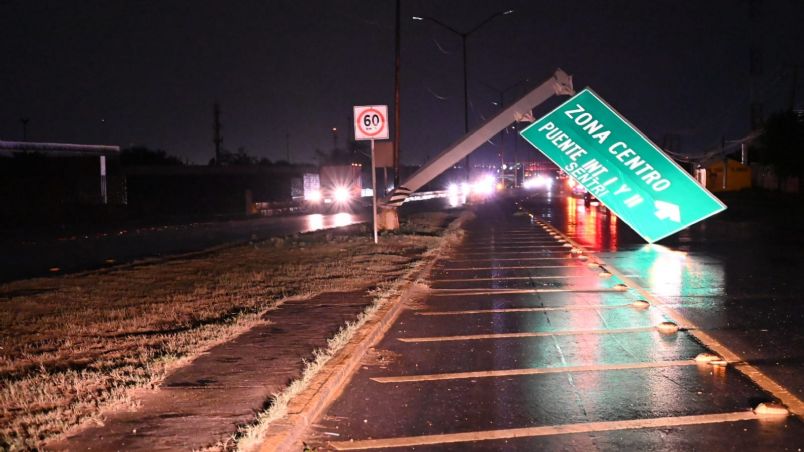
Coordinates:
674	275
595	227
342	219
317	221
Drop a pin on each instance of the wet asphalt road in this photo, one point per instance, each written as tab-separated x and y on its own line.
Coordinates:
31	257
523	345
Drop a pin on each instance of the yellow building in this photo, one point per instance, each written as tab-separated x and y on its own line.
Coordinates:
724	175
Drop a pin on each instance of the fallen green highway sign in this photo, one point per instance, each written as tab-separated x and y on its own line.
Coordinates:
615	162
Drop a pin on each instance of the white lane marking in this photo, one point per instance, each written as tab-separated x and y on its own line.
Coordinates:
481	291
509	278
793	403
511	267
513	246
547	430
561	249
514	242
487	291
533	371
476	337
583	307
504	259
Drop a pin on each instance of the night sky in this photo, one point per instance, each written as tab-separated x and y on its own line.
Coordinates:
148	72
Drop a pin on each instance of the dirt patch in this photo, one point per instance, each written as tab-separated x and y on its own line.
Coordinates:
381	358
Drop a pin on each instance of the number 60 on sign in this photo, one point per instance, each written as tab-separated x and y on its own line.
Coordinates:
371	122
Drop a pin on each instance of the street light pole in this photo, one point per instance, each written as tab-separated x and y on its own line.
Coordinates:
464	36
465	91
24	122
397	109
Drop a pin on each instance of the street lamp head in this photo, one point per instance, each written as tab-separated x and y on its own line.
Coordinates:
510	11
417	18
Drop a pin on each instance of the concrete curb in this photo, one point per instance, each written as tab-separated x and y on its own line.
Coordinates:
287	433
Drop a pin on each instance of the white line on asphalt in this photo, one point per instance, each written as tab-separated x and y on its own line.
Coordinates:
476	337
582	307
547	430
512	267
473	292
513	242
533	371
489	246
510	278
505	259
560	249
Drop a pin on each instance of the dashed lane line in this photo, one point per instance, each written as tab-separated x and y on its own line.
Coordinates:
583	307
476	337
548	430
532	371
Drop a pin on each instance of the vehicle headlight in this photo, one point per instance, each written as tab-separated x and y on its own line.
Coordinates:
341	194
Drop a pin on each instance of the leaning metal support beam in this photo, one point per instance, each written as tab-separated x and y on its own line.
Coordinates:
559	84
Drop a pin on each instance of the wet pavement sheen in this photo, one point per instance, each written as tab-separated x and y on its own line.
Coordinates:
519	333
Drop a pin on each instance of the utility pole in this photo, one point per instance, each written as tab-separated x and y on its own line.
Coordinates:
287	143
396	101
755	64
794	82
725	161
25	122
216	129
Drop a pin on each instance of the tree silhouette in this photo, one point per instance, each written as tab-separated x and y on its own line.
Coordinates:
143	156
781	144
355	152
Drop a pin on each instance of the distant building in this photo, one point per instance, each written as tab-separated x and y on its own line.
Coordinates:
723	175
40	181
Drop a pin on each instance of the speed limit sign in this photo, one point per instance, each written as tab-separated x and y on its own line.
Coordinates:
371	122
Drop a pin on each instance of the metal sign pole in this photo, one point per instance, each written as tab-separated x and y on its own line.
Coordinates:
373	192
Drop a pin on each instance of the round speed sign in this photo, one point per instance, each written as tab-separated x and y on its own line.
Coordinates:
371	122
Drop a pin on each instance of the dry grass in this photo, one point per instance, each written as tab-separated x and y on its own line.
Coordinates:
73	346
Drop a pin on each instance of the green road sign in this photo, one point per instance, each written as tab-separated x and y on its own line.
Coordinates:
600	149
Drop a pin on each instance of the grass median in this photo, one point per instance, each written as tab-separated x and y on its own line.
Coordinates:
74	346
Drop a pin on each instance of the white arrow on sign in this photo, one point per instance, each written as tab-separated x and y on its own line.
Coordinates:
667	210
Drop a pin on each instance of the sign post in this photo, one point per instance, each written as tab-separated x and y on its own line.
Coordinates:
371	123
621	167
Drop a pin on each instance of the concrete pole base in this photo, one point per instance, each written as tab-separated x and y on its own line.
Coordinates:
387	219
